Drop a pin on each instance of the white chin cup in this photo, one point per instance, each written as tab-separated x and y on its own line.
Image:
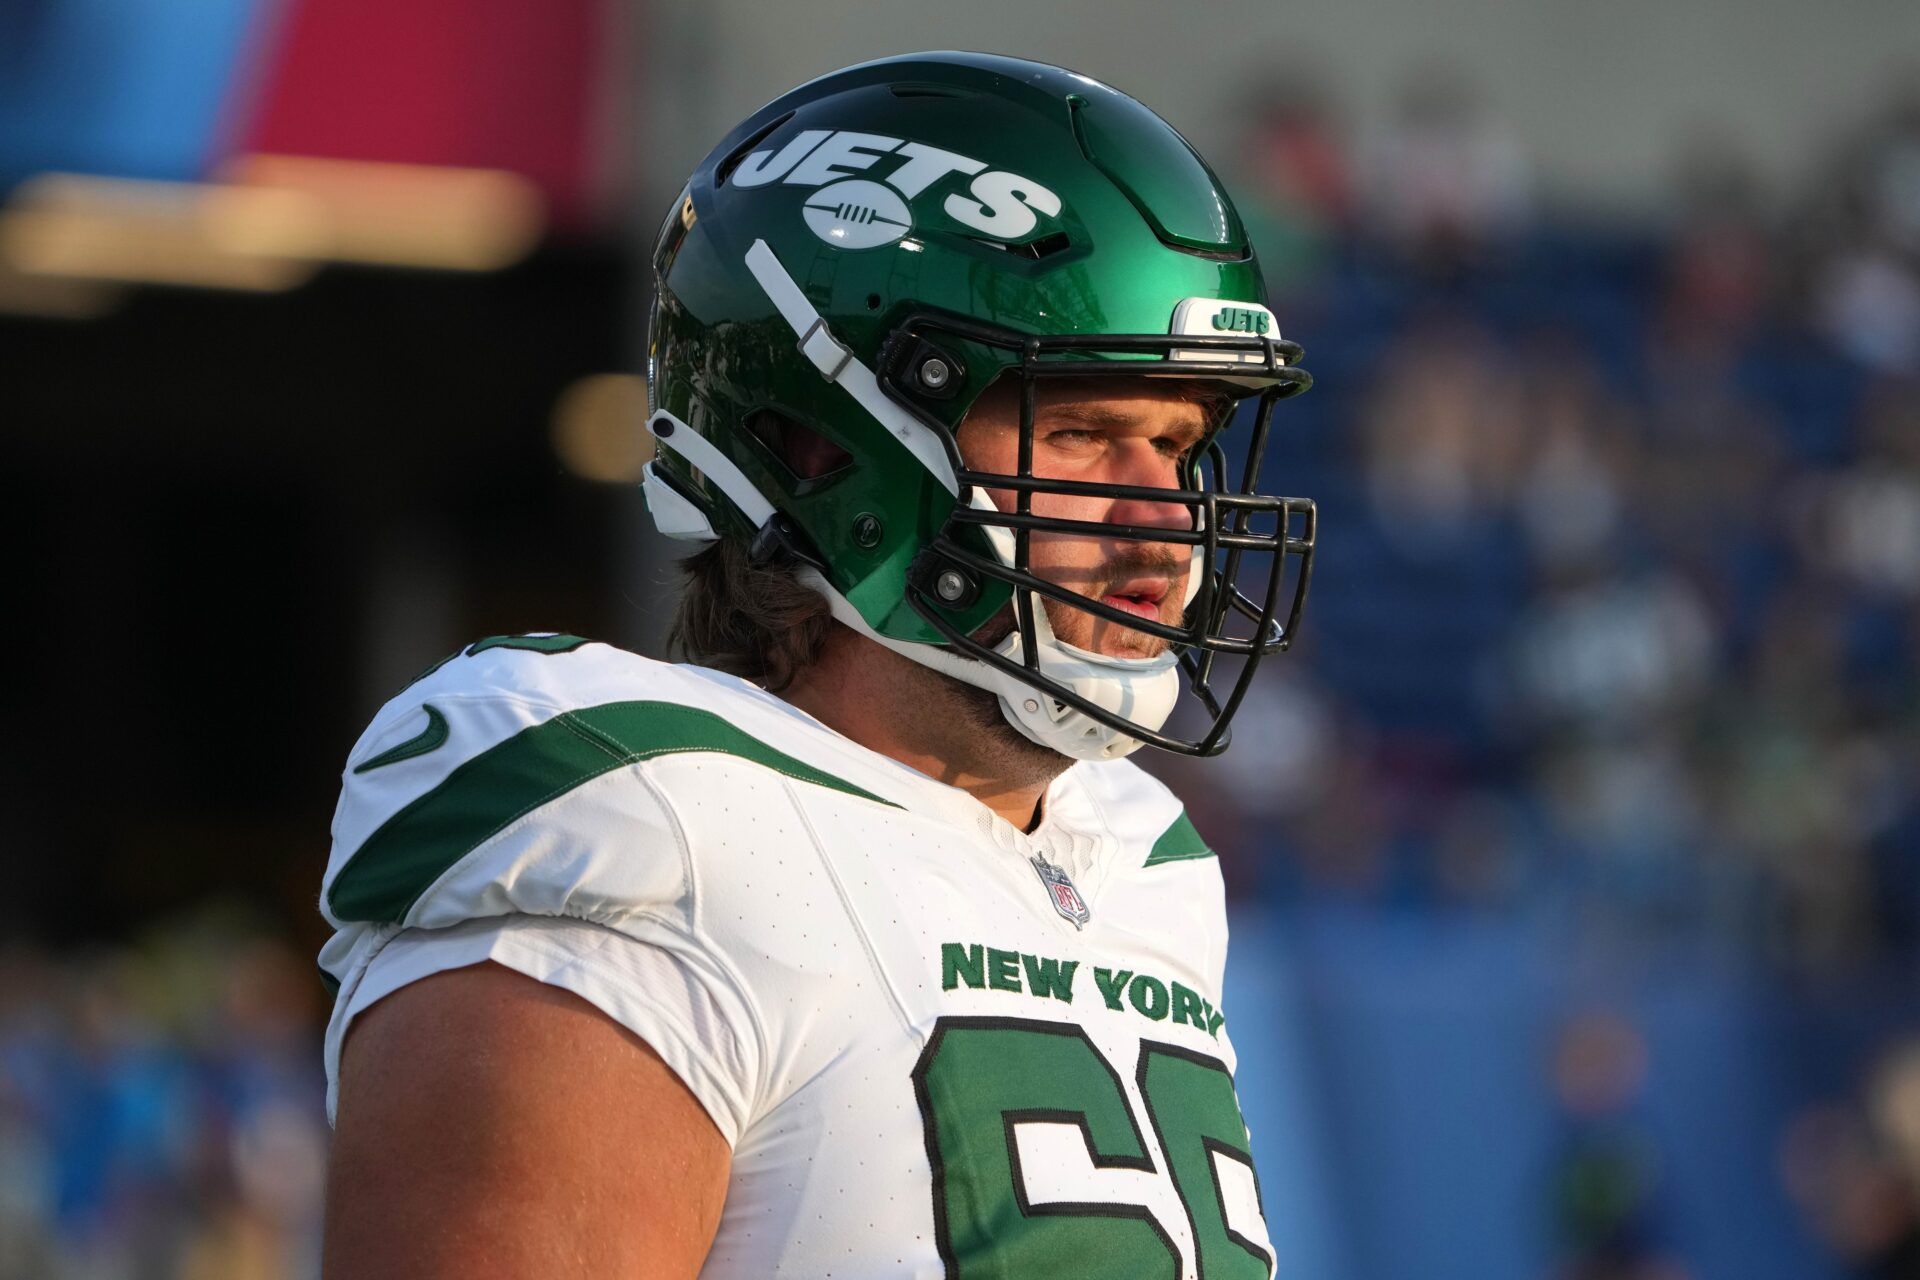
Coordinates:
1142	690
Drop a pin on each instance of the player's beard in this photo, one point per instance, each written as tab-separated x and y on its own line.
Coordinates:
978	710
996	747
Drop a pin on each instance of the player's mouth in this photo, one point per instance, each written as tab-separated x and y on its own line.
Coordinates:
1139	596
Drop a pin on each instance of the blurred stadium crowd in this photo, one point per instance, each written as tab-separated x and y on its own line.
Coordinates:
1615	624
160	1108
1616	617
1619	587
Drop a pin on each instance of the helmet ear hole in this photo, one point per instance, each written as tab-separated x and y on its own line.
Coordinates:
804	452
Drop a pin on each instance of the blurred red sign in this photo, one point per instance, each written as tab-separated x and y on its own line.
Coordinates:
501	84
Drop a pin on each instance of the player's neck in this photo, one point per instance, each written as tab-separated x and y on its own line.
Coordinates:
893	705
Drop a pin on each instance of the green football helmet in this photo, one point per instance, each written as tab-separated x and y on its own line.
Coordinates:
864	257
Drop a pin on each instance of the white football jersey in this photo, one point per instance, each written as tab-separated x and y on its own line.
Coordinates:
937	1045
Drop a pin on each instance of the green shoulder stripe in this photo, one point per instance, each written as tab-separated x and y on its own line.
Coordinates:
387	874
560	643
1178	843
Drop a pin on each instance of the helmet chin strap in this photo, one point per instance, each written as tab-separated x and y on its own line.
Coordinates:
1143	690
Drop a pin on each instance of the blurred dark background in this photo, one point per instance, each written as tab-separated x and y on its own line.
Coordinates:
1575	851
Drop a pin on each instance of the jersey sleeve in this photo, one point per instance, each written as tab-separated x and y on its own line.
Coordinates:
649	989
484	817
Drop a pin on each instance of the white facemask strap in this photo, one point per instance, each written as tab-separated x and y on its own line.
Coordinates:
837	364
675	436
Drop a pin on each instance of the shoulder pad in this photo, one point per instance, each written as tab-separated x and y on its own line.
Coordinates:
503	730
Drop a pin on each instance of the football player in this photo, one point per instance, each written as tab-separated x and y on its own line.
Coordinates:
860	949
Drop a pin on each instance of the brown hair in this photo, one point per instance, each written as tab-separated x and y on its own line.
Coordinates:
749	617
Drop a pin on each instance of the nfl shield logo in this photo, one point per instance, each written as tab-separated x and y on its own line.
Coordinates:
1066	899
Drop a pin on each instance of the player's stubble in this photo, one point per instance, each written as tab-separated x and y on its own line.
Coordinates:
966	720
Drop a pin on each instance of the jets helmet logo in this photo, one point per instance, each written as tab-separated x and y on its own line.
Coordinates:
857	214
851	212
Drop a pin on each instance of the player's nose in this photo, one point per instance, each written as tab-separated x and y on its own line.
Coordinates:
1141	465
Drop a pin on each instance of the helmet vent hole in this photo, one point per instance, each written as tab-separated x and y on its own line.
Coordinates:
924	91
1033	250
725	168
873	302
